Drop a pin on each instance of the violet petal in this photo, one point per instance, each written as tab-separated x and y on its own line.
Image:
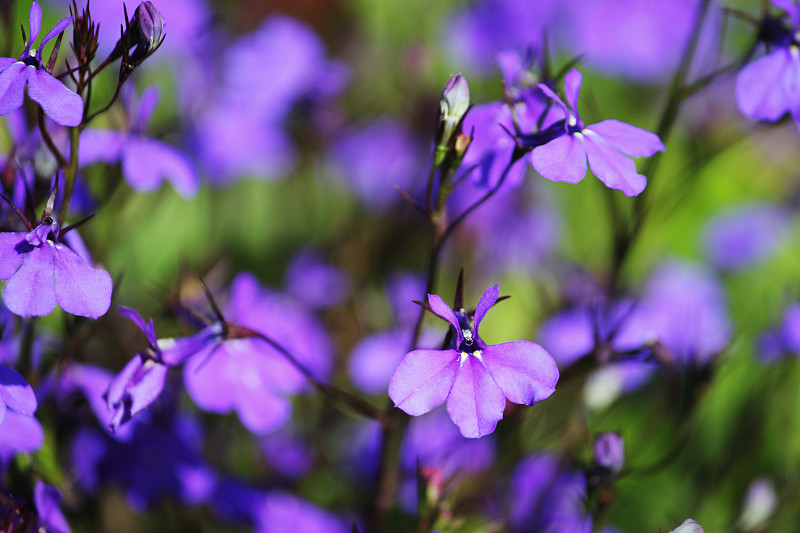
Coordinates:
562	159
57	101
100	145
475	403
441	309
34	21
488	299
80	289
572	89
31	291
759	86
423	379
628	139
524	371
12	87
15	392
146	162
611	167
10	259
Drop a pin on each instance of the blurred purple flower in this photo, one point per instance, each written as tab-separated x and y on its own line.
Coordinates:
287	453
284	512
609	452
315	282
608	145
146	162
546	496
372	160
43	272
790	329
141	380
247	374
16	394
474	378
769	87
19	434
744	236
48	502
57	101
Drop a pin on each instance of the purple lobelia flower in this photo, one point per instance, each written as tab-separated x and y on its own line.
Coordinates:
475	378
43	272
608	145
609	452
142	380
57	101
146	162
769	87
48	502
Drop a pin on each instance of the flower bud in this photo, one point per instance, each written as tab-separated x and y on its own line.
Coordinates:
759	505
453	107
609	452
150	24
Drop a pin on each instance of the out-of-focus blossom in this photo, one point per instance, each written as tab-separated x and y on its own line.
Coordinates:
48	506
609	452
141	380
759	505
43	272
57	101
19	434
642	41
284	512
744	236
16	394
474	378
768	88
287	453
316	282
545	495
240	133
247	374
375	159
146	162
157	463
688	526
608	145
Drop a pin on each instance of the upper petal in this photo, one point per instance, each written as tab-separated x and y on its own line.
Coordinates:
60	26
562	159
617	171
57	101
15	392
630	140
100	145
475	403
10	257
80	289
422	380
12	87
552	95
759	86
443	310
487	300
31	291
524	371
34	21
146	162
572	89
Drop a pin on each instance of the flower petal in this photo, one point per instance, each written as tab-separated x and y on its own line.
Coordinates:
57	101
792	9
475	403
100	145
34	21
10	258
441	309
134	315
562	159
146	385
760	86
572	89
80	289
31	291
487	300
261	410
553	96
523	370
422	380
15	392
146	162
12	87
20	434
60	26
211	380
617	171
628	139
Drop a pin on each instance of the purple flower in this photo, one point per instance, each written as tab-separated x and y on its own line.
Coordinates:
247	374
16	394
315	282
43	272
57	101
142	380
769	87
19	434
48	502
609	452
744	236
608	145
145	161
474	378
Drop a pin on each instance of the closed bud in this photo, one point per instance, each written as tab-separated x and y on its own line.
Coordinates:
150	24
453	107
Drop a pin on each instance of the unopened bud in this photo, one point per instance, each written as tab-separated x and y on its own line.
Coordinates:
150	24
453	106
759	505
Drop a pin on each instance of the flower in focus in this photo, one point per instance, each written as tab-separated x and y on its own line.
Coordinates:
608	145
43	272
145	161
769	87
474	378
57	101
